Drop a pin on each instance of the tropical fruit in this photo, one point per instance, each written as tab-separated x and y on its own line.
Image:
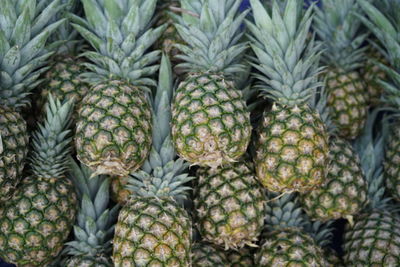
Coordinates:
292	145
36	221
113	132
210	121
153	228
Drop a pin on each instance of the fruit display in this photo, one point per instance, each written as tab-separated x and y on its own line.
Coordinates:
199	133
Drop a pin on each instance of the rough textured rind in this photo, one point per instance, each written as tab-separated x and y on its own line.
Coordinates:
392	161
230	205
292	149
113	133
348	102
205	255
290	247
345	191
210	122
373	240
63	81
152	231
82	261
13	150
36	221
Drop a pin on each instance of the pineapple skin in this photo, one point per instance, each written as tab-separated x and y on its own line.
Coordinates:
151	232
348	102
373	240
119	194
205	255
86	261
230	205
37	220
240	258
391	165
292	149
113	133
63	80
371	74
289	247
345	191
14	143
210	122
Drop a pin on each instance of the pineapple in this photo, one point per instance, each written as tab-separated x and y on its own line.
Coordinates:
344	192
153	228
63	77
119	193
373	239
205	255
292	145
229	204
387	30
286	241
338	27
24	50
95	225
113	131
210	122
37	220
240	258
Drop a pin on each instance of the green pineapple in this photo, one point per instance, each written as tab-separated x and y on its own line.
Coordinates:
344	192
37	220
205	255
373	239
210	121
387	29
113	132
292	146
63	77
229	204
338	27
95	224
286	241
153	228
24	29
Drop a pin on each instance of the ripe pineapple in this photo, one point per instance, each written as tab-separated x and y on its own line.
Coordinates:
286	242
292	146
152	228
63	77
337	27
344	192
24	50
386	27
37	220
230	205
374	237
210	121
205	255
91	245
113	132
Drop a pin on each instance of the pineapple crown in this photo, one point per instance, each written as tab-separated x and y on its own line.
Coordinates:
95	223
283	211
321	232
52	141
388	32
70	42
211	31
162	175
318	101
25	27
339	29
288	66
371	151
120	32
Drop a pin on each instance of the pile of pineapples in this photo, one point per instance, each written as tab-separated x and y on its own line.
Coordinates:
199	133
